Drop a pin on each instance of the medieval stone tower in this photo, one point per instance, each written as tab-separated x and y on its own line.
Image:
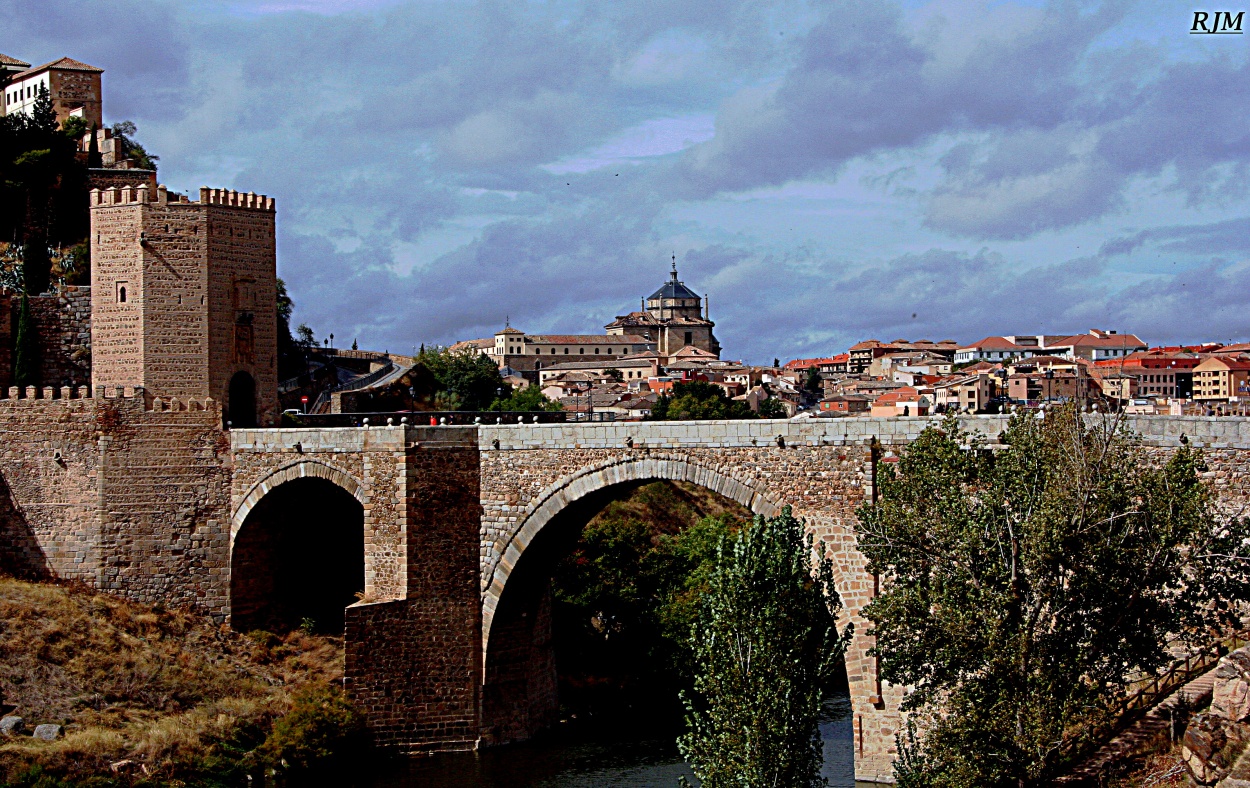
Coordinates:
183	298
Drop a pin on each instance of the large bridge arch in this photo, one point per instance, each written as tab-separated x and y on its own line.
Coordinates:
297	549
599	477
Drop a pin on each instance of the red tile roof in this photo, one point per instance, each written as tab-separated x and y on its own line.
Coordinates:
5	60
995	343
61	64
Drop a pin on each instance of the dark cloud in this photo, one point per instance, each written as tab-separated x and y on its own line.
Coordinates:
380	128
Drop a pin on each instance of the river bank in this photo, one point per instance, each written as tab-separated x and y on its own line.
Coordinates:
138	694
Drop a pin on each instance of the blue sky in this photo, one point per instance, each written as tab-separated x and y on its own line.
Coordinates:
826	171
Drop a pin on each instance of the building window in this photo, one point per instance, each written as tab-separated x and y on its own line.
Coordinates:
581	351
121	292
566	351
596	351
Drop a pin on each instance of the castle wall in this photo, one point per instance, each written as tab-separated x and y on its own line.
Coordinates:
63	321
49	501
130	497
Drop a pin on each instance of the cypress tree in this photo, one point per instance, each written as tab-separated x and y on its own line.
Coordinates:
36	265
765	645
94	159
26	363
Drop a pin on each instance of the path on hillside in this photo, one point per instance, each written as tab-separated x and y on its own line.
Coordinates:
1140	734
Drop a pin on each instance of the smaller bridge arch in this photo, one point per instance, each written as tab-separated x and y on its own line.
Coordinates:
301	469
571	489
297	549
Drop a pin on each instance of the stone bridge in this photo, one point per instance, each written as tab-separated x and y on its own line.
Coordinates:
432	547
449	646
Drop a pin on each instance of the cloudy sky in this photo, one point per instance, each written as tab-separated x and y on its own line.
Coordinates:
826	171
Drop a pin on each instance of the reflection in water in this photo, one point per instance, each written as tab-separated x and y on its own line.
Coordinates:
590	758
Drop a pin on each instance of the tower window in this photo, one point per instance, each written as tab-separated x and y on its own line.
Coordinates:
121	292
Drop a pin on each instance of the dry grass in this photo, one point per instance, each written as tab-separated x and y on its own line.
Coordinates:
145	694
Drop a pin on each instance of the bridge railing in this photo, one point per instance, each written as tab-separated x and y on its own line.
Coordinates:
422	418
1147	692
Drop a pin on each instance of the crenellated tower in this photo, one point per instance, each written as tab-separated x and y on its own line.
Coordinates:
184	297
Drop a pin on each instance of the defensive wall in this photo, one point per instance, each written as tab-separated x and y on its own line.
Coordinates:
448	642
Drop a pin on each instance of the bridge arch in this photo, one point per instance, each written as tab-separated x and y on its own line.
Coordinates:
296	470
592	479
297	549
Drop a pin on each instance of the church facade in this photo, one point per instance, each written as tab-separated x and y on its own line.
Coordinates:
673	317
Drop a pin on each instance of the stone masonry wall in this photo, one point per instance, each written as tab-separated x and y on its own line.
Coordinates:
49	501
127	495
63	321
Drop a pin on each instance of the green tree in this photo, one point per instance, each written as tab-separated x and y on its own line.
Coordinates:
698	400
95	159
525	400
125	132
814	383
1023	588
765	645
772	408
468	380
26	345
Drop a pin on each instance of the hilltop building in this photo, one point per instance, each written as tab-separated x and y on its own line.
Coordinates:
672	328
73	86
673	317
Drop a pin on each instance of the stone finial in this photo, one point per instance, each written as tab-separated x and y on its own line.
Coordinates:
67	392
31	392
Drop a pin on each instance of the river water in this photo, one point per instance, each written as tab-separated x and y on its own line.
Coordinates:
580	756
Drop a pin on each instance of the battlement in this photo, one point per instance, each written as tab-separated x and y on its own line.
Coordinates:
234	199
132	394
138	195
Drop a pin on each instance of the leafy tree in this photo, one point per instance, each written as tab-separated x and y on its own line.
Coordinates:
468	379
772	408
36	264
765	645
292	354
1023	589
626	596
527	399
814	382
75	127
696	400
614	374
125	132
305	337
26	361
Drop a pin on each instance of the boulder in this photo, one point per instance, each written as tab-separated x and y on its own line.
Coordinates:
12	726
48	732
1230	697
1202	748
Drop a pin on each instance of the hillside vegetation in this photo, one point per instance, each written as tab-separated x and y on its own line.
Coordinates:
149	696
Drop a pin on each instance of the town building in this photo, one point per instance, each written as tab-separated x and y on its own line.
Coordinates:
1097	345
861	355
845	404
964	393
1221	379
993	349
673	317
74	88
